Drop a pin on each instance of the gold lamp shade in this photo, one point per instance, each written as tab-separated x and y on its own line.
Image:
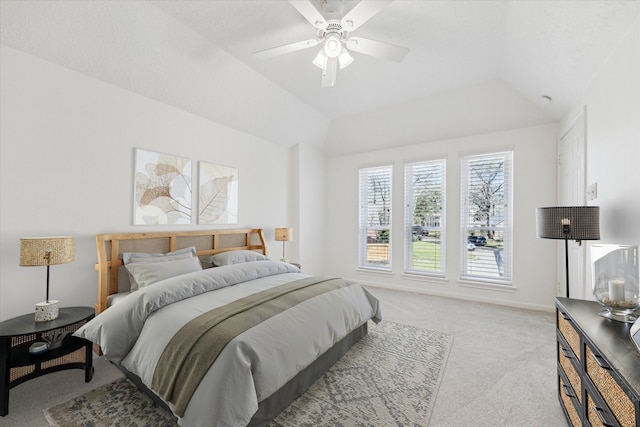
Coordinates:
41	251
284	235
46	251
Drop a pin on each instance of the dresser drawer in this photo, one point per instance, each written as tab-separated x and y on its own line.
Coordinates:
615	398
564	357
568	401
598	414
568	332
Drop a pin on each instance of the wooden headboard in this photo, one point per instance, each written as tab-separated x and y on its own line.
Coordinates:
110	248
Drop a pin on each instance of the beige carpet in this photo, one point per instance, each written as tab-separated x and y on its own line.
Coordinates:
390	377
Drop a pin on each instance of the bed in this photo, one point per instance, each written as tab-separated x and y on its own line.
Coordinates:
209	326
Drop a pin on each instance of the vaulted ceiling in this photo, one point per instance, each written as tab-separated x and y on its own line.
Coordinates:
539	48
198	56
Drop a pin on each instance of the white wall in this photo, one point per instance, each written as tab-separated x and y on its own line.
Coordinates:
492	106
613	140
534	186
66	155
612	105
308	202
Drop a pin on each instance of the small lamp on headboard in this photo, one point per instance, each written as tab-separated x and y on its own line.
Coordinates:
39	251
284	235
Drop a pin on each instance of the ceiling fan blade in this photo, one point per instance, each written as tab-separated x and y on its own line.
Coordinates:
387	51
284	49
362	12
310	13
330	73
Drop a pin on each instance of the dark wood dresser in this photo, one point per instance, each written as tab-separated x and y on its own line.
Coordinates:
598	367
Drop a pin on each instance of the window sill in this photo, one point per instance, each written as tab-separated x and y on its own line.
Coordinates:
375	271
494	286
423	277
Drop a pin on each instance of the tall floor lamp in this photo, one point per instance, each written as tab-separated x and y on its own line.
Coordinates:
568	223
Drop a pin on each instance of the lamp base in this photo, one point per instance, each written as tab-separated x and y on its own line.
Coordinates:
47	310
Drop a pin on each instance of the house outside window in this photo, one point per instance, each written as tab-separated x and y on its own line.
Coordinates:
424	214
486	217
374	248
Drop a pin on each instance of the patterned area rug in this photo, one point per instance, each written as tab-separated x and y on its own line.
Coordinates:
389	378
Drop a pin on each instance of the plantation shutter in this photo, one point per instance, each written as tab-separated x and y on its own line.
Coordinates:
424	217
486	216
375	217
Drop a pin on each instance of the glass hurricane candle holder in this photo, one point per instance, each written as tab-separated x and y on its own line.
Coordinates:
615	281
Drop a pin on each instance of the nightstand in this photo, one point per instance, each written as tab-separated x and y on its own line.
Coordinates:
17	334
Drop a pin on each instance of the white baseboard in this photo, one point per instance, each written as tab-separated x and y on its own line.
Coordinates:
496	301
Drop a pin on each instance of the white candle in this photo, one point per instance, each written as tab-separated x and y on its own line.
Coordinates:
616	290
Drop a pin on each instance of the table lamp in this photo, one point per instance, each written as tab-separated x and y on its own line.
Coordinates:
284	235
46	251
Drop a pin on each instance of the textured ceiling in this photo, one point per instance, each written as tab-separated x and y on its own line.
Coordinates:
198	56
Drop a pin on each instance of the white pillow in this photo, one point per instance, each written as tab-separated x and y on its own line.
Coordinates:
145	273
236	257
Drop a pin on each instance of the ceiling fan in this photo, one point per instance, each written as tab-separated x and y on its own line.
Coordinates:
334	36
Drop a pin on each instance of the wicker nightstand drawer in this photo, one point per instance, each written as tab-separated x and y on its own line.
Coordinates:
616	399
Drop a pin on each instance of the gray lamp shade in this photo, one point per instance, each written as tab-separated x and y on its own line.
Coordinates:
568	222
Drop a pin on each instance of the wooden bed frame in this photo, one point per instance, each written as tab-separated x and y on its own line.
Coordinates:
110	248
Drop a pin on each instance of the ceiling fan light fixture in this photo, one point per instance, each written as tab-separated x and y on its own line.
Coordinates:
332	46
332	33
345	59
320	60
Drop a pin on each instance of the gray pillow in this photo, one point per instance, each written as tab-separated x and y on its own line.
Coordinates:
236	257
145	257
126	256
207	261
145	273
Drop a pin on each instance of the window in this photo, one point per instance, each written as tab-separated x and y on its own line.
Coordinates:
374	248
424	216
487	194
